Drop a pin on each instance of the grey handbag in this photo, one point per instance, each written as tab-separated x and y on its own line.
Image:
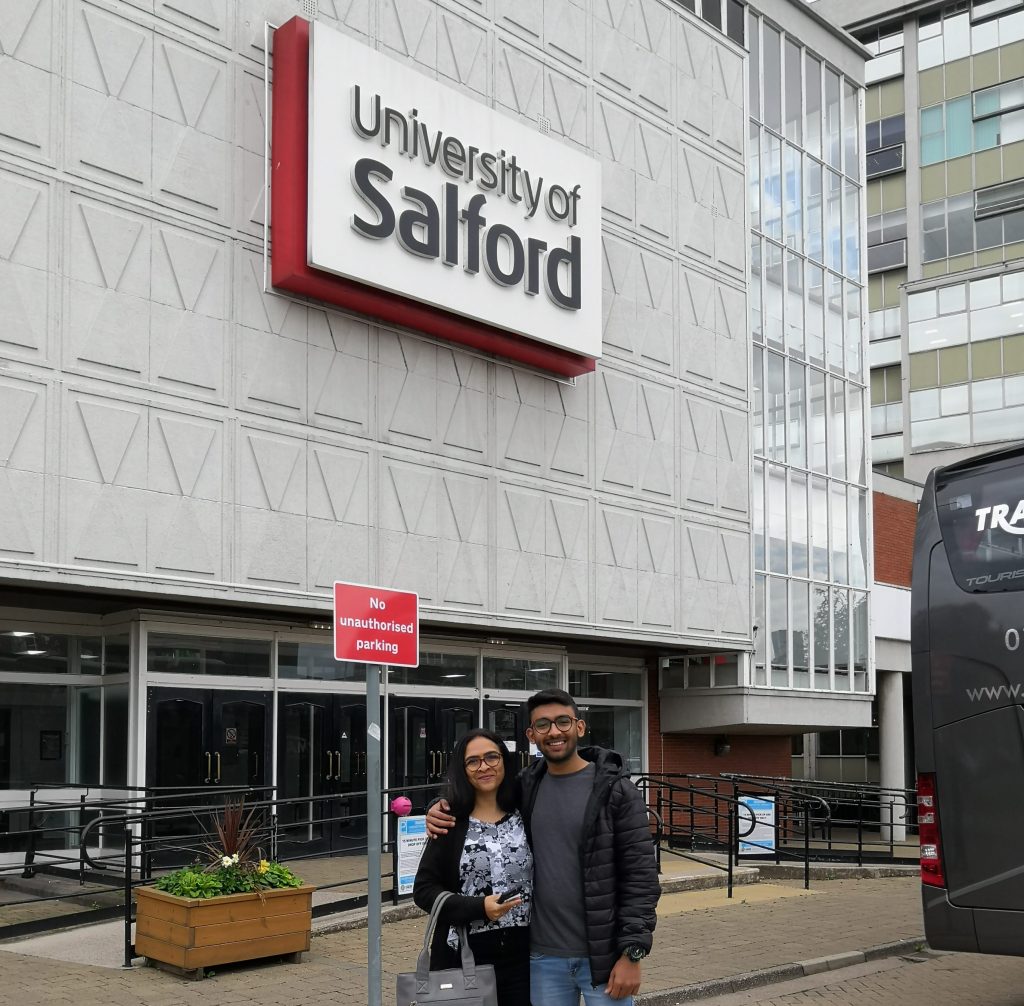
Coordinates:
470	985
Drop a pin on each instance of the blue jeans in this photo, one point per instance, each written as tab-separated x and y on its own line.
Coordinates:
558	981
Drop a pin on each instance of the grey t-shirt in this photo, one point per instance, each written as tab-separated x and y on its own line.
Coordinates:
558	924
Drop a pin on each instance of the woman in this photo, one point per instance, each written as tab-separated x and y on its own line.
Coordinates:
486	861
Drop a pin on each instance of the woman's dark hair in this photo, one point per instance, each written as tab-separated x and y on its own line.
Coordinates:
459	790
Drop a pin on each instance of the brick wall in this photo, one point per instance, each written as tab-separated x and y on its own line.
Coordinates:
757	754
894	523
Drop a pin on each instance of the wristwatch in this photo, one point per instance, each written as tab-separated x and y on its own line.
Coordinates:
635	953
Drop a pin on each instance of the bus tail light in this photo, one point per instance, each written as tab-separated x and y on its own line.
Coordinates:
932	872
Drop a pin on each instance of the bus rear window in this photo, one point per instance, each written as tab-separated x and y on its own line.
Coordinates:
982	523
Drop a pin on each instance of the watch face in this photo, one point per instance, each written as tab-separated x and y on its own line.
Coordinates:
636	953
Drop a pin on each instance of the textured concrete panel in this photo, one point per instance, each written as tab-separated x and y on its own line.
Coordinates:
210	432
24	264
27	83
542	427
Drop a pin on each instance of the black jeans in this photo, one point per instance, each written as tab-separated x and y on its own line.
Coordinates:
508	950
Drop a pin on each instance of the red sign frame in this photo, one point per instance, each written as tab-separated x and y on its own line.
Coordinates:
289	207
382	626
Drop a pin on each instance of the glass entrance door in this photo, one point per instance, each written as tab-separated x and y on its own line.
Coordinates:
321	776
200	739
421	735
509	721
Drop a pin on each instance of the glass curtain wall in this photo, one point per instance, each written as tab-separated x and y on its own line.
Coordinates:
806	302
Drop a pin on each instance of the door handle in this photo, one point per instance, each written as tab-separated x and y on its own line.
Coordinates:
330	765
338	753
209	774
256	770
217	756
433	763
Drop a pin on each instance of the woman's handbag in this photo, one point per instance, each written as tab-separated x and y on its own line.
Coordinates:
470	985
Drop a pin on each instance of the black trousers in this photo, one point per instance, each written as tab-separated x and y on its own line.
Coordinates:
508	950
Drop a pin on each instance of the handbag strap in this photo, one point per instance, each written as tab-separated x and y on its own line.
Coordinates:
423	960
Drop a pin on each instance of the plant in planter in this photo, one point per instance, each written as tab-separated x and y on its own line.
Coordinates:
236	907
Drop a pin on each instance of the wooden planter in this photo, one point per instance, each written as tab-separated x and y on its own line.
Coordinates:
191	934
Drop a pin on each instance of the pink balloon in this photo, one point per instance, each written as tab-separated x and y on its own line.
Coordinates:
401	805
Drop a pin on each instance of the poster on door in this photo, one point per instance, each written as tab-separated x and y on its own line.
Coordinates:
759	810
412	840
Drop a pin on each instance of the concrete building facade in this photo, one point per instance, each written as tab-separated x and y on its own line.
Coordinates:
190	458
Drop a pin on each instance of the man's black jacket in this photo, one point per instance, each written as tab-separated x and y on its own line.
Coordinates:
620	873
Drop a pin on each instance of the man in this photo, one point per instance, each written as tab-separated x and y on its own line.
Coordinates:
596	884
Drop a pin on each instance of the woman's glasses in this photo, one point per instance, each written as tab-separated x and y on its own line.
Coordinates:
492	760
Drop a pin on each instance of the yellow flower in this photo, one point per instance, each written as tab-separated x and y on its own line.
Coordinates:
264	866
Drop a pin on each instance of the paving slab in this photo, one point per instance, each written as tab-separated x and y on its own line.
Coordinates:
702	939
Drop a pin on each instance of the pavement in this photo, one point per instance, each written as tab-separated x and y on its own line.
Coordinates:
706	946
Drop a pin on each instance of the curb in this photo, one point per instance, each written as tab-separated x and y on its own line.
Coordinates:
780	973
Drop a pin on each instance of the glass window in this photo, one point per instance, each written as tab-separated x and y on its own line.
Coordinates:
921	306
777	553
794	111
772	75
711	11
760	650
812	112
779	624
773	282
534	675
851	131
956	37
754	295
854	332
771	187
855	407
834	322
799	529
445	670
851	229
833	135
822	613
759	555
754	174
815	317
793	198
819	461
734	21
960	213
758	383
794	304
959	127
315	662
619	728
24	651
819	529
813	210
775	407
857	535
840	548
833	221
859	602
933	135
933	223
589	684
181	654
115	735
800	628
754	32
841	638
797	415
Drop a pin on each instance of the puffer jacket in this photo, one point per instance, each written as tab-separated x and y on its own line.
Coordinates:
620	873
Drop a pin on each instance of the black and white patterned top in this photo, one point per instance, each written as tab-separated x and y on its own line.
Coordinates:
496	858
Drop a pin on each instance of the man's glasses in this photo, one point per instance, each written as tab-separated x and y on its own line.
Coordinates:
543	726
492	760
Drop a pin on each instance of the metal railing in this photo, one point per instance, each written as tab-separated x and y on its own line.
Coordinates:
112	844
710	814
863	823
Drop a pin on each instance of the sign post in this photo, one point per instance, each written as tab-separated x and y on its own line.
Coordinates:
376	627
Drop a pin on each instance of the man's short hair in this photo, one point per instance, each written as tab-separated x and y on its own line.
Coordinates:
552	697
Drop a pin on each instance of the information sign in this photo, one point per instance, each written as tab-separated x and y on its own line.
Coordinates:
373	625
761	840
412	840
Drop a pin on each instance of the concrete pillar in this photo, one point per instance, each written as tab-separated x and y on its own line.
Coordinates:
891	752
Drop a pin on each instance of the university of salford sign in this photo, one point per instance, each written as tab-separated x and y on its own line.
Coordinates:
402	198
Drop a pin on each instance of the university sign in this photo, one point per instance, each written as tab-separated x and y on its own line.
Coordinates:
401	198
